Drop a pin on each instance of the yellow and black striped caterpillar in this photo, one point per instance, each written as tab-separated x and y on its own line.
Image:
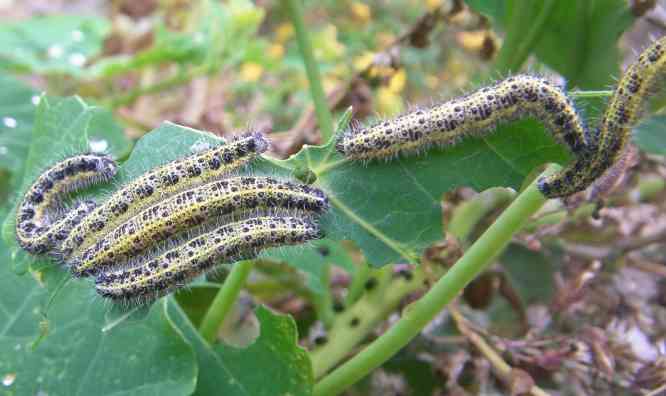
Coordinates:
168	210
515	97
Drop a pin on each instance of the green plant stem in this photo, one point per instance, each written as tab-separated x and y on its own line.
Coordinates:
172	82
324	117
353	325
590	94
420	313
224	300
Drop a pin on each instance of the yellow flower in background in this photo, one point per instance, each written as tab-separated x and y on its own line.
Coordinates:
251	71
433	4
276	51
284	32
361	12
388	102
363	61
398	81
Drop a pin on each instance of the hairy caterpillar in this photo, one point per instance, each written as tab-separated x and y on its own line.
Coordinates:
625	107
191	208
41	220
476	114
159	183
176	267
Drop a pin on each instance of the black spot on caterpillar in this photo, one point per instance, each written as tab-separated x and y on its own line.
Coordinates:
161	182
190	209
41	219
176	267
474	114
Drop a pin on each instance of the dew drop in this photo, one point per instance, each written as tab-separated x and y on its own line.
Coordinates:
77	35
77	59
9	122
8	379
36	99
3	150
199	146
98	145
55	51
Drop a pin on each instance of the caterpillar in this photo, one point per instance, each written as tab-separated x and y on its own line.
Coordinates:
156	209
626	105
159	183
519	96
192	208
609	140
41	220
176	267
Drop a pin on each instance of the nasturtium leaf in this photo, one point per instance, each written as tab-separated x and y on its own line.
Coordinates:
273	365
592	63
56	44
17	112
650	135
64	351
594	26
392	210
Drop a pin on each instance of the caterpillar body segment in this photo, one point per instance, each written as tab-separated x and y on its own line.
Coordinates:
474	114
41	218
160	183
178	266
610	138
192	208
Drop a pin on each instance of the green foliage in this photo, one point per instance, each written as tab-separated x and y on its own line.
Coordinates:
17	109
52	44
649	135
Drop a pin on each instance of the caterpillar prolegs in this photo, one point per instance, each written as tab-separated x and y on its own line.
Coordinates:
515	97
171	208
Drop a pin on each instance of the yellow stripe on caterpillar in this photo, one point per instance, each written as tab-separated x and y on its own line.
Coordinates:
193	208
159	183
610	139
475	114
40	222
176	267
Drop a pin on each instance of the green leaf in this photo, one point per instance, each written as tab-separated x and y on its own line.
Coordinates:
67	353
392	210
56	44
223	33
64	127
576	36
17	113
315	261
580	39
273	365
531	274
649	135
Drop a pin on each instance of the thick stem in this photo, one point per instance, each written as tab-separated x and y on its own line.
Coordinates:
224	300
324	118
420	313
